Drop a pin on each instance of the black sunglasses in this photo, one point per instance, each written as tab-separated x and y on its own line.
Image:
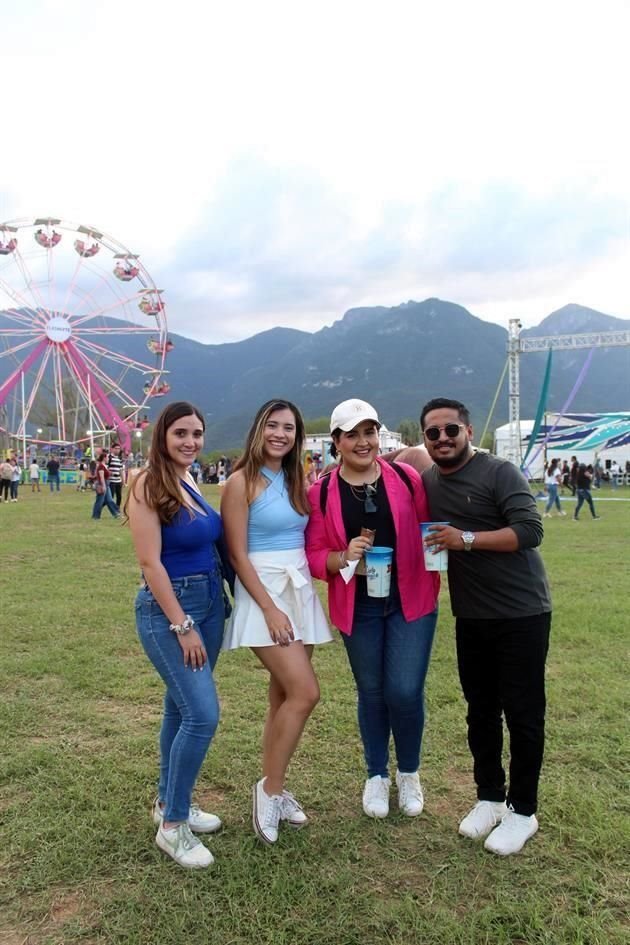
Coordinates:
369	505
451	430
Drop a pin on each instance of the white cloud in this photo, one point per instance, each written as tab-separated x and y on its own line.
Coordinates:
277	163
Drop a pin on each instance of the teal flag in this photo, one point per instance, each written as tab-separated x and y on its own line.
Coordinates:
542	406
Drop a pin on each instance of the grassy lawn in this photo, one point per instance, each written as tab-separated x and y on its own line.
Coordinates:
81	708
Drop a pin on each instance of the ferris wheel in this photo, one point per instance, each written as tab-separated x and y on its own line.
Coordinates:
83	334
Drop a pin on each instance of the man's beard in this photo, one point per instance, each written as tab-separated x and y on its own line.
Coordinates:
447	462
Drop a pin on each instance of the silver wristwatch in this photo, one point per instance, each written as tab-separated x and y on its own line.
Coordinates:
468	538
182	628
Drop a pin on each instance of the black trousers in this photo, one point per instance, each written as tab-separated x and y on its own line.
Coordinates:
116	490
502	673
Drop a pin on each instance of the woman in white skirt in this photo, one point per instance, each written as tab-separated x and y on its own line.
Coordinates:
276	609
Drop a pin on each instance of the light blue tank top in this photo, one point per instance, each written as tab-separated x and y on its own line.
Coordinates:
273	523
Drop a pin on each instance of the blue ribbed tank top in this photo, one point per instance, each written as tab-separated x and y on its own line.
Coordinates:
273	523
188	540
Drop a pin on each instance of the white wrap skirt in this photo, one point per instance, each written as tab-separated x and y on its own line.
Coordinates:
287	579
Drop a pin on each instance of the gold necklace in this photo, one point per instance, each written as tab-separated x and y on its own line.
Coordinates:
366	491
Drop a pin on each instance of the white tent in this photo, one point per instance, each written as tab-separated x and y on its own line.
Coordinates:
536	469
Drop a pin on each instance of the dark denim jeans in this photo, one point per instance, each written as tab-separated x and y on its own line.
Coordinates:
53	481
584	495
105	498
389	658
191	706
502	672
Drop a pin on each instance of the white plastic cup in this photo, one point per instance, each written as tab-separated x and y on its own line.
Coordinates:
378	570
432	561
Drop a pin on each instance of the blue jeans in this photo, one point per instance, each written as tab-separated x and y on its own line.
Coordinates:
552	489
389	658
105	499
191	706
54	481
584	495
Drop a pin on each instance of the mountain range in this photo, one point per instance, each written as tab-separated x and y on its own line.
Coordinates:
397	358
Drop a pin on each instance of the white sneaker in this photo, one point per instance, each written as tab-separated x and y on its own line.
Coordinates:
410	796
512	833
266	813
292	812
183	847
376	796
483	818
198	820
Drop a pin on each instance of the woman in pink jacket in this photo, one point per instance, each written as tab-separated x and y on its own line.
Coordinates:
388	640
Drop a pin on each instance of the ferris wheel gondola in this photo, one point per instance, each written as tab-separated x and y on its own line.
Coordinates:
68	357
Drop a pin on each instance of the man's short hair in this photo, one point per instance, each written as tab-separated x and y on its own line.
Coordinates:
443	403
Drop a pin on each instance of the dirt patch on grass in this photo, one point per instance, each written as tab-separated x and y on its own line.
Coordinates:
66	906
455	794
129	711
11	937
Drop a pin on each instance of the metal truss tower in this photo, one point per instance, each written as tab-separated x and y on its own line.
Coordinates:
518	346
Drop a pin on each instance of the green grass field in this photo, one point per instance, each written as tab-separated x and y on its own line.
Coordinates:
81	709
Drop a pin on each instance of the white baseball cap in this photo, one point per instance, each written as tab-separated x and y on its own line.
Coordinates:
349	413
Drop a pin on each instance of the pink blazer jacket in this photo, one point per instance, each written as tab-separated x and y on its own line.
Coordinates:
325	533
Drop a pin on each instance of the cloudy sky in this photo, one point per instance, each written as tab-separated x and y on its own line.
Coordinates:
278	163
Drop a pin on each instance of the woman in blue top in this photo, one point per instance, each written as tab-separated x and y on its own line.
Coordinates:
276	609
180	618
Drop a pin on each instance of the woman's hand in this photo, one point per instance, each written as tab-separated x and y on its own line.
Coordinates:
195	654
279	626
357	547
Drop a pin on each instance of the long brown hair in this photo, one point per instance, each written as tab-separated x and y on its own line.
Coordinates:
159	482
253	458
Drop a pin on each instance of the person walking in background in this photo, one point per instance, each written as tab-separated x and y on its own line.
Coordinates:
553	479
33	475
81	475
583	481
6	474
277	612
101	487
16	478
502	606
388	640
115	468
179	618
614	474
573	475
52	470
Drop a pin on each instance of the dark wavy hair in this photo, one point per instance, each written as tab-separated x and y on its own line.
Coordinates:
253	457
159	482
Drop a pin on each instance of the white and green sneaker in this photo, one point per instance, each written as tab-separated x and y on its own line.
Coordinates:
183	846
198	820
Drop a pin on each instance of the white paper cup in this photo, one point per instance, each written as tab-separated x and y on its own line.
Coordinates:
378	570
433	562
